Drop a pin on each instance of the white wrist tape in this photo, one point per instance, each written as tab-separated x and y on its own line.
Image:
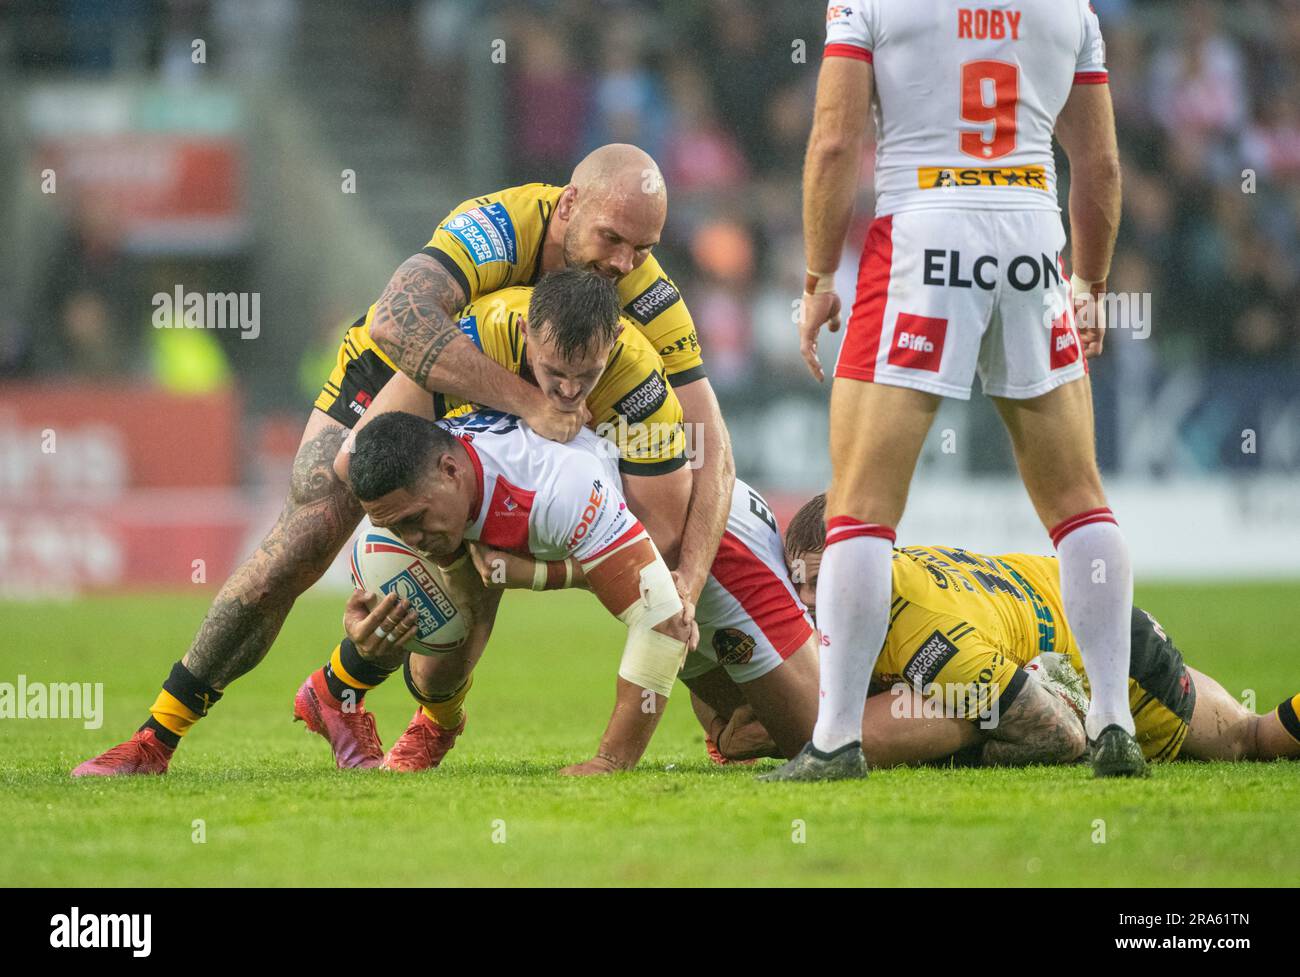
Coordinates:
817	283
1094	310
539	574
1080	287
650	659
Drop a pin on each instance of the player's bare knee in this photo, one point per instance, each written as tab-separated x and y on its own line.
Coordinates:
313	477
319	515
303	543
436	677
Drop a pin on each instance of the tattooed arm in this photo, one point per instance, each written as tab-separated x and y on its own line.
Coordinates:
1037	728
414	327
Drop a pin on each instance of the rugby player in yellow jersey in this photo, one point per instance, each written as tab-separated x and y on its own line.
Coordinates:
608	219
963	629
567	336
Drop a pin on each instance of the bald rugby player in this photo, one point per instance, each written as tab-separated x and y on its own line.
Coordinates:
608	218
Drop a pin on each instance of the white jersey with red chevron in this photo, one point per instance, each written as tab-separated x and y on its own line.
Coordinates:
966	94
540	497
750	617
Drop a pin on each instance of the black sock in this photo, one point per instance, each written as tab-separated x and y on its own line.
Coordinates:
349	676
183	701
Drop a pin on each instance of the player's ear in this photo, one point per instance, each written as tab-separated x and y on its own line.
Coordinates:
568	200
447	467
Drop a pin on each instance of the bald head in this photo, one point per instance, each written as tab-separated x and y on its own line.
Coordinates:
613	210
620	169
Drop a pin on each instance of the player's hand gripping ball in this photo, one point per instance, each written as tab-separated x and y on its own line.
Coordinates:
382	564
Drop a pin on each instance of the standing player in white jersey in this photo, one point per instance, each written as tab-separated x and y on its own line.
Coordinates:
486	477
962	273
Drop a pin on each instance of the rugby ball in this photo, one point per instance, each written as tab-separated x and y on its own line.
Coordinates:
383	564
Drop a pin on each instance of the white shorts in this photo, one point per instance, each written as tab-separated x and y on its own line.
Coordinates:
944	293
750	617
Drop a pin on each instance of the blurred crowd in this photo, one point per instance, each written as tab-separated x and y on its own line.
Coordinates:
1207	98
1208	112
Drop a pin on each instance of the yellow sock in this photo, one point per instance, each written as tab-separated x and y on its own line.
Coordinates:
170	712
183	700
449	713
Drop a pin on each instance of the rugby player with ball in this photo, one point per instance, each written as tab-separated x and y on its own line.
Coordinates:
566	335
488	477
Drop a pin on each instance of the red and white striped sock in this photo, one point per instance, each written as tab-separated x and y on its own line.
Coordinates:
1097	592
853	594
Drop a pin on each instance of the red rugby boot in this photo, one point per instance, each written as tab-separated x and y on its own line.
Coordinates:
422	746
351	734
142	753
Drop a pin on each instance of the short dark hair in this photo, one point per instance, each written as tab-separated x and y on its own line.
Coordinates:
807	530
392	452
577	308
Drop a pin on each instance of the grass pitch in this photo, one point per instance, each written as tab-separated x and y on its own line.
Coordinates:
272	810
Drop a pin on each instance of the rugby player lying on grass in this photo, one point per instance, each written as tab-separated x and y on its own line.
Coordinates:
566	336
487	477
963	628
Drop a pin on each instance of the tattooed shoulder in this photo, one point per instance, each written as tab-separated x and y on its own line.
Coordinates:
413	318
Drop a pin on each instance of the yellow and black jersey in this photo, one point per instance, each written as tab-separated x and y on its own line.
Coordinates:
1013	600
632	405
967	622
494	242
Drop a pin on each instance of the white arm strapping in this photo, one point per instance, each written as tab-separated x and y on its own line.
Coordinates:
650	659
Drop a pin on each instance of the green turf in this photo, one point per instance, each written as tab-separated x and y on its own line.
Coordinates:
276	813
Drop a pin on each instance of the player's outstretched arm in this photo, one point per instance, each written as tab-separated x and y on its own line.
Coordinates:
635	585
1224	729
1086	131
415	327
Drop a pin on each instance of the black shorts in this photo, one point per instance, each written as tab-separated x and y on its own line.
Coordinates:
1162	695
359	373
